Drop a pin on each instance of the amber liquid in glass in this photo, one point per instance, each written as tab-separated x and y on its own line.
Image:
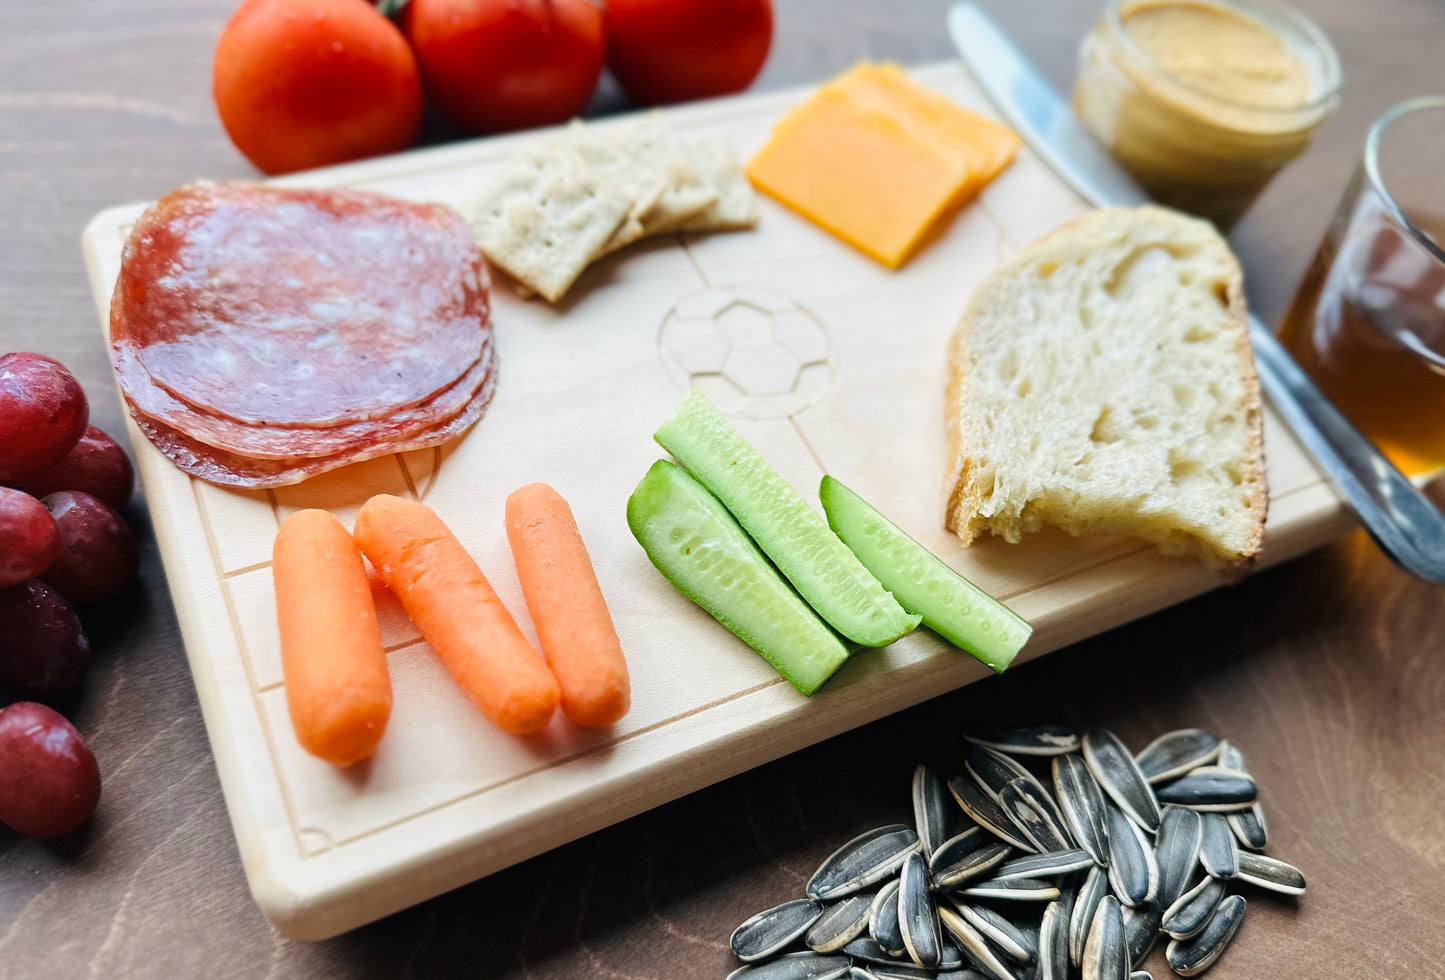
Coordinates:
1369	327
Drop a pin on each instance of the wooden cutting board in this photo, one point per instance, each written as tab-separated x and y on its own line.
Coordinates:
826	360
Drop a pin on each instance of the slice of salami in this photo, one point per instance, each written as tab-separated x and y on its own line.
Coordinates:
300	308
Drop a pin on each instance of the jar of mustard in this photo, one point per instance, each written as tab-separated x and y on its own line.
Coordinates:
1203	101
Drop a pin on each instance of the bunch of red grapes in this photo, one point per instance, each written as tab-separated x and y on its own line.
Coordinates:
62	541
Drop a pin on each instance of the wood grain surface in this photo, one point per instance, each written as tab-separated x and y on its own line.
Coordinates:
1327	671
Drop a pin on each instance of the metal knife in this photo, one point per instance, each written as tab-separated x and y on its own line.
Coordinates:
1403	522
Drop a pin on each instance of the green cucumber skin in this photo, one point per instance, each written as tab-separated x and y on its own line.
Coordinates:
951	605
823	570
695	543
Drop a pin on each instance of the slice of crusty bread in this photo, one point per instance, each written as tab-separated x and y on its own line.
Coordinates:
1102	381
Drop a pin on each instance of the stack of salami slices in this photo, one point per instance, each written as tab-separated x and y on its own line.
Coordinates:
264	335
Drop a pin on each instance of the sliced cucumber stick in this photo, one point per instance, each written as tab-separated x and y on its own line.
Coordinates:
699	547
791	533
951	605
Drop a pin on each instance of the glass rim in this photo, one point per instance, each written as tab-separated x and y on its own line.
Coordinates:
1371	164
1307	27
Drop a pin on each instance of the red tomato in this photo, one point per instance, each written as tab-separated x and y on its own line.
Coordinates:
306	83
492	65
674	50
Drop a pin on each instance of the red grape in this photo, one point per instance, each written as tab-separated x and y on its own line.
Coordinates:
43	411
49	782
98	555
97	466
43	650
29	537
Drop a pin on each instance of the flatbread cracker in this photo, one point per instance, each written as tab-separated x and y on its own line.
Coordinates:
737	204
688	192
613	158
544	217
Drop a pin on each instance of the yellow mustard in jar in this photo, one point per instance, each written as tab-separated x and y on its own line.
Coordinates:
1203	101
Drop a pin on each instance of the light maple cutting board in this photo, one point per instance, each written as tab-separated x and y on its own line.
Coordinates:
826	360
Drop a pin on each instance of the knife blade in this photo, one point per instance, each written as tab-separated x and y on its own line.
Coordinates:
1408	528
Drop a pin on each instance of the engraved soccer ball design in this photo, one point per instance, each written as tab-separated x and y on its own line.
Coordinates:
753	351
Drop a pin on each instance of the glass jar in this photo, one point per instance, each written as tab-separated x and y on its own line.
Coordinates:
1203	101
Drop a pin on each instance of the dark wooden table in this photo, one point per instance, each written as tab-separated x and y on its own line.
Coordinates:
1328	672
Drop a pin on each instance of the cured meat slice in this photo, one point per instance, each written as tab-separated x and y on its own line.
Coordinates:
299	308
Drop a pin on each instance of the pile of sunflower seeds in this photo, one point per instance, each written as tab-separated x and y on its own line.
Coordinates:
1127	848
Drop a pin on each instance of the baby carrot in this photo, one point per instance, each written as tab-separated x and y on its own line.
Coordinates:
338	692
451	602
576	632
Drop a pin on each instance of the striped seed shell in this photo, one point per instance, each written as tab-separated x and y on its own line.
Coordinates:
795	966
1188	957
1013	890
856	972
1176	850
1114	769
1054	944
865	860
840	924
1091	892
1034	740
897	971
975	947
1043	801
883	925
1141	930
997	929
1173	754
1106	956
1188	916
917	915
1051	864
1081	804
1249	827
771	931
1024	803
976	865
957	846
1133	870
1140	975
993	770
1210	788
985	811
1230	757
1068	895
1218	852
869	952
1267	872
933	814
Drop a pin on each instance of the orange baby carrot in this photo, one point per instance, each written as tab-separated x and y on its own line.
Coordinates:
566	604
451	602
338	692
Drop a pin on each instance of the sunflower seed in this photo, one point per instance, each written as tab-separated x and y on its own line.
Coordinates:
856	972
1054	944
1249	827
1081	804
1094	888
1176	851
1051	864
917	915
1230	757
883	919
1010	940
1210	788
1013	890
1106	957
1217	850
863	861
795	966
973	866
957	846
1030	740
841	923
1173	754
985	811
1267	872
1114	769
975	947
1188	957
771	931
1029	808
1067	897
1141	929
1188	916
933	815
993	770
1133	871
1140	975
898	971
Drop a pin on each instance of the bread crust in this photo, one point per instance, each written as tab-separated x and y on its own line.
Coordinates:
964	494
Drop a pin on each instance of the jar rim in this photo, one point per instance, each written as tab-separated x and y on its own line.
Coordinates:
1307	29
1371	165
